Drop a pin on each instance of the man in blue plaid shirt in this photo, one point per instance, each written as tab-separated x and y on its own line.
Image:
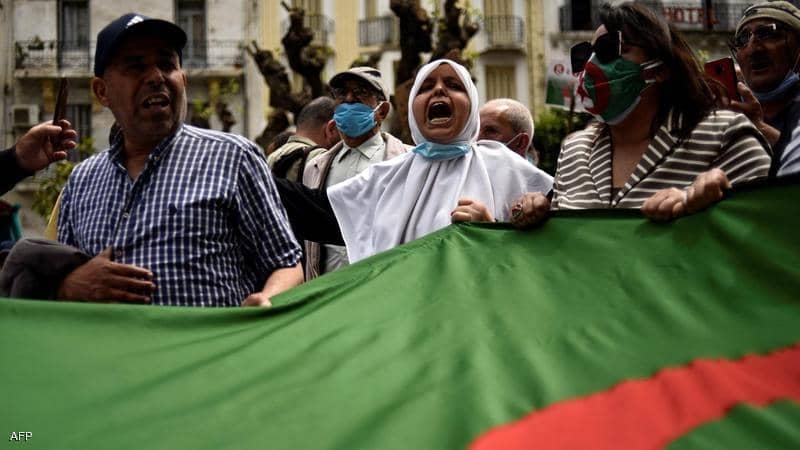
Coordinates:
176	215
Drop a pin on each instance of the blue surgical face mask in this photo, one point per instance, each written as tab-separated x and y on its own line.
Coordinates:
355	119
441	152
780	91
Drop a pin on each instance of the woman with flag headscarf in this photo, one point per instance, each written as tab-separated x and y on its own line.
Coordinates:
658	143
449	177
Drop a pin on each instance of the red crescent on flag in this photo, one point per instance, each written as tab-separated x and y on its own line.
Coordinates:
650	413
601	88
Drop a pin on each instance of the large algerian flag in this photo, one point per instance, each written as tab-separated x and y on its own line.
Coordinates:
598	330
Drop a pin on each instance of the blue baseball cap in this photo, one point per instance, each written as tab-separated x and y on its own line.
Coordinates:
134	24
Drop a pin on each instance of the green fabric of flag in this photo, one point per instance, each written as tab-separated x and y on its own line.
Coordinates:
775	427
428	346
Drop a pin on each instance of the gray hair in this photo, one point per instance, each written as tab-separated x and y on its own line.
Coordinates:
518	115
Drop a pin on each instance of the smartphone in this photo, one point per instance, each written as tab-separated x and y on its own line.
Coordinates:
59	113
61	101
724	71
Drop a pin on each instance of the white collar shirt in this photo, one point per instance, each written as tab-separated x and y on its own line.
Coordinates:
349	162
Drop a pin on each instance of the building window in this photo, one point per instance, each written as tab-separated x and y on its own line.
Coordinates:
500	82
579	15
73	33
192	18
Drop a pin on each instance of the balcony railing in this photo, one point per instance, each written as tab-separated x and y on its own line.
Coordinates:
378	31
688	15
38	54
320	25
505	31
55	55
213	55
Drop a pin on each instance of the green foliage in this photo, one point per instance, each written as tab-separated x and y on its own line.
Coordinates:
201	109
204	109
472	13
19	55
50	186
230	88
551	129
469	15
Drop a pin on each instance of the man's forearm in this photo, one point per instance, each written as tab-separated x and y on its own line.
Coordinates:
283	279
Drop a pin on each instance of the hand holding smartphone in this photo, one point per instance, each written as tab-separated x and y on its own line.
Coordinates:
60	111
724	71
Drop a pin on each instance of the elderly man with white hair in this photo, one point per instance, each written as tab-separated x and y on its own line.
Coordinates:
509	122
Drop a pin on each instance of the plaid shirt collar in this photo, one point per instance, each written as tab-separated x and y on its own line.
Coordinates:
116	152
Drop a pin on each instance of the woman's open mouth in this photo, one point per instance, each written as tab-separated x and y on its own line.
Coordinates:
439	113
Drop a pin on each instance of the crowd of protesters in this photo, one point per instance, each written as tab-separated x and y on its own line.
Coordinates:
171	214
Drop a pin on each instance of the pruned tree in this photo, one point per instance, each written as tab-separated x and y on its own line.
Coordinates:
225	116
454	25
201	111
281	97
277	121
455	28
416	29
276	77
304	58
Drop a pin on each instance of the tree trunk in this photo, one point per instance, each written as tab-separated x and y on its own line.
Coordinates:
456	28
305	59
280	88
415	36
277	121
416	28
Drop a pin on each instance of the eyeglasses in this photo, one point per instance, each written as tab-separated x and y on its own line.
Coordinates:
361	94
607	47
768	32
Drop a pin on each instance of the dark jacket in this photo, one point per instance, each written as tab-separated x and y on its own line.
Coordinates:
34	268
10	172
786	121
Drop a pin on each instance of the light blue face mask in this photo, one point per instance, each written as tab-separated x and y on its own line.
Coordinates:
508	143
780	92
441	152
355	119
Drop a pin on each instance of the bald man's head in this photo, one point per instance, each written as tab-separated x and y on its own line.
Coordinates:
507	121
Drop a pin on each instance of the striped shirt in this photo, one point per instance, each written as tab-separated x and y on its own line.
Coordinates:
204	216
724	140
790	160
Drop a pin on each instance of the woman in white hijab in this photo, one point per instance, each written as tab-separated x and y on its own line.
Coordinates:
449	177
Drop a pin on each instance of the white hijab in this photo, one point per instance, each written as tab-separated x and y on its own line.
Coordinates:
470	131
407	197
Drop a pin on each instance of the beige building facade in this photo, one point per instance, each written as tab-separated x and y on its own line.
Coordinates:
44	40
506	52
